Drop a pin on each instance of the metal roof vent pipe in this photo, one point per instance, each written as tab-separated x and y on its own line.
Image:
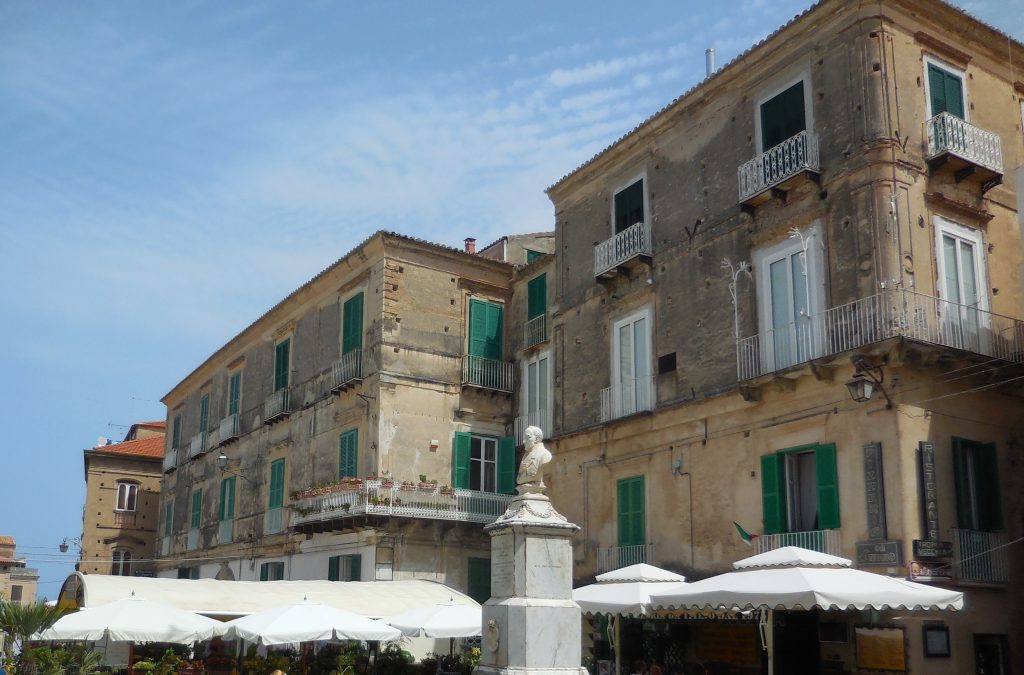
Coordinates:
470	245
709	60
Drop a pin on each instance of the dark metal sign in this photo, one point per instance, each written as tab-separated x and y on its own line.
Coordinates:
874	491
879	553
926	548
929	571
929	490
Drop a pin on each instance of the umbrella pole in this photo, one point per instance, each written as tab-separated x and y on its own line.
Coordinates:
768	638
617	631
451	646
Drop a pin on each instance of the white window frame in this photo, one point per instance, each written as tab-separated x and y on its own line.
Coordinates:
131	489
929	60
622	186
794	477
781	86
480	466
121	560
616	376
535	359
943	227
815	269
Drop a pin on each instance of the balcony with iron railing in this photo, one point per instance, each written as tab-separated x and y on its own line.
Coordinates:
170	462
968	148
981	557
614	557
627	397
534	418
777	167
823	541
277	406
484	373
347	371
535	331
888	314
632	243
198	445
228	429
388	498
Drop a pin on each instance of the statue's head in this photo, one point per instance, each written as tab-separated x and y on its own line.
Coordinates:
532	436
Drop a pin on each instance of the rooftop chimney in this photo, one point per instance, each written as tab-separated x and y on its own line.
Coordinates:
470	245
709	60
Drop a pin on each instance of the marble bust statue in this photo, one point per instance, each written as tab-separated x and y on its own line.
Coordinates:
535	456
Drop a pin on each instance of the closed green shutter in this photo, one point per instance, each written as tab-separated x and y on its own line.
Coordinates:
960	478
773	494
204	414
828	486
227	499
986	471
478	584
184	572
532	255
265	572
176	432
333	568
352	324
537	297
946	90
197	509
348	454
460	459
507	464
485	329
168	518
783	117
355	567
276	484
282	354
234	392
629	206
631	507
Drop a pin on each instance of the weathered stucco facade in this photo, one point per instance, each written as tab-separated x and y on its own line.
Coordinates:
715	290
18	583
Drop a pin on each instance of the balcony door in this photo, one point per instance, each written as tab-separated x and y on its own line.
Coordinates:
963	307
631	364
536	397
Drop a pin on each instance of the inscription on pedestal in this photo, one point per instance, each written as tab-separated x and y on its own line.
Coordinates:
503	584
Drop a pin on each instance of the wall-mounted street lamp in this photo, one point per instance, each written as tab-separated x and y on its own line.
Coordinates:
66	544
223	461
865	381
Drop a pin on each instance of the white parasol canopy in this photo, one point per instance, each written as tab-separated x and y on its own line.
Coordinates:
135	619
448	620
796	578
627	590
306	621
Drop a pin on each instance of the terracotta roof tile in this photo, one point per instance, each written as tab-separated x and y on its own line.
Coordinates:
159	424
6	540
144	447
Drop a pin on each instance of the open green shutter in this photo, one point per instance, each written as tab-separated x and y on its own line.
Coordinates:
197	509
176	432
276	499
352	324
234	391
222	506
963	492
477	328
537	297
986	471
772	494
348	454
227	499
333	564
355	567
168	518
639	512
954	95
828	486
281	358
507	464
460	459
204	414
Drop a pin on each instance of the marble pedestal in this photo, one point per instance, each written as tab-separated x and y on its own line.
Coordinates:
531	626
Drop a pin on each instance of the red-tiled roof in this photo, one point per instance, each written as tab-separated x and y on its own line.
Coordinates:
159	424
144	447
6	540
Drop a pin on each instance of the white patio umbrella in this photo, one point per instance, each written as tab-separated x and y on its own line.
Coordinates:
447	620
625	591
796	578
306	621
134	619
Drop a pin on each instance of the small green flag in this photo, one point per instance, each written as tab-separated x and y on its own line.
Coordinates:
747	538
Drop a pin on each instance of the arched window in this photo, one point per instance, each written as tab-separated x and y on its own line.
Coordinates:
122	565
127	495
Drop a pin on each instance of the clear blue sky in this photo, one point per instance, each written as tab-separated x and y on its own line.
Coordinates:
170	170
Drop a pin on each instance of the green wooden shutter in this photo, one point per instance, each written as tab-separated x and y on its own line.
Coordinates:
937	89
537	297
507	464
478	584
532	255
485	329
265	572
773	493
184	572
348	454
954	95
946	91
986	471
460	459
204	414
234	392
197	509
355	567
352	324
828	486
281	359
631	507
276	484
227	498
963	490
176	432
333	565
629	206
168	518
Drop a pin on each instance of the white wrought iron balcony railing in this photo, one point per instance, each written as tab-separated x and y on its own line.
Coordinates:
823	541
225	531
614	557
277	405
772	167
632	242
534	418
170	460
273	520
948	133
485	373
347	370
192	540
198	445
627	397
535	331
982	557
891	313
228	429
389	498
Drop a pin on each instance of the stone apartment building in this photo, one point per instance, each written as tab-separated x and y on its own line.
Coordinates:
358	430
792	299
18	583
122	491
